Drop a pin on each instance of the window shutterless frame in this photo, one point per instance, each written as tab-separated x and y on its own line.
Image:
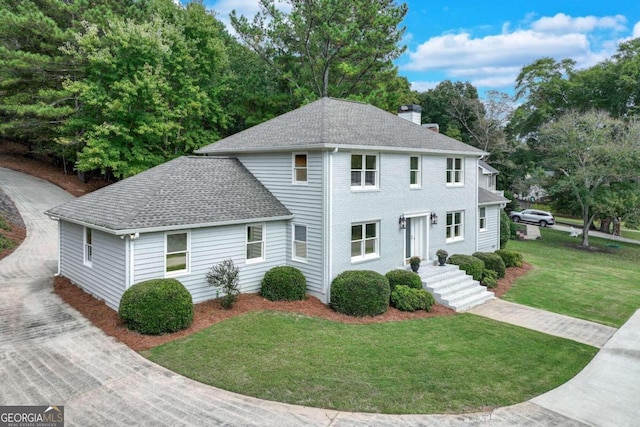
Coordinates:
256	239
299	242
300	168
87	246
177	253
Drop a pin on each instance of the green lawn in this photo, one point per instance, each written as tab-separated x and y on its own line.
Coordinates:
450	364
596	286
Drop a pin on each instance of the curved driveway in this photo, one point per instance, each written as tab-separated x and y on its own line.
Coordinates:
49	354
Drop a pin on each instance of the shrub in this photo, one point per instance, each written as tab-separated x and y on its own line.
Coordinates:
492	261
360	293
410	299
224	277
156	307
505	229
510	258
414	262
284	284
472	265
489	278
403	278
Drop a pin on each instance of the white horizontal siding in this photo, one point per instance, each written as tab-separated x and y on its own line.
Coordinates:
105	279
488	240
305	202
211	246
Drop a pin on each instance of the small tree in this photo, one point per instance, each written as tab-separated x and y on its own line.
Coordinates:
224	277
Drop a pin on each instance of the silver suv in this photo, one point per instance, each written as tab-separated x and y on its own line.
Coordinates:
541	218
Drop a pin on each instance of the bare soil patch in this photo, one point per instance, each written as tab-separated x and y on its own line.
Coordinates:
15	156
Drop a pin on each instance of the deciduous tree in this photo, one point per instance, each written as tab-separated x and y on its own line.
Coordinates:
590	154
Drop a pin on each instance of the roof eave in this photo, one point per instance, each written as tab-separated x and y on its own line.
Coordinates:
132	230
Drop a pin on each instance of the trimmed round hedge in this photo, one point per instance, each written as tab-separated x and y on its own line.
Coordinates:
156	307
492	261
360	293
403	278
510	258
472	265
411	299
284	283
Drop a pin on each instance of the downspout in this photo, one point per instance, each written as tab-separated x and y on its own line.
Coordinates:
330	224
59	247
131	249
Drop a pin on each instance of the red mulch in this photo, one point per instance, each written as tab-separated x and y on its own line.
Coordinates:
210	312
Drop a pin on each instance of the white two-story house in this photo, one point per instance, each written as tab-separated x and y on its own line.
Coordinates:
332	186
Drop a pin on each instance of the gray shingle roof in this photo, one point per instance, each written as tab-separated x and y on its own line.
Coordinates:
488	167
184	192
330	123
486	197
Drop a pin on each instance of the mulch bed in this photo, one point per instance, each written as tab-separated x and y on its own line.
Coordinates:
210	312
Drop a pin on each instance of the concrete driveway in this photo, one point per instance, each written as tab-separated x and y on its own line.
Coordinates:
50	354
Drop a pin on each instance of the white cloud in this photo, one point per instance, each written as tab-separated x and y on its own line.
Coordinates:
520	47
495	60
423	86
561	23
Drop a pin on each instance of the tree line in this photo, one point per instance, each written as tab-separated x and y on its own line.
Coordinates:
118	86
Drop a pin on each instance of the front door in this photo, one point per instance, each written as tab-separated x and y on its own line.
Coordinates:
416	237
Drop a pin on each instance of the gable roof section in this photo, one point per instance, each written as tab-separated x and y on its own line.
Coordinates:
330	123
490	170
486	197
186	192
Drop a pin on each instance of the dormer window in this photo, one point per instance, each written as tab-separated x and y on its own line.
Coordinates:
364	171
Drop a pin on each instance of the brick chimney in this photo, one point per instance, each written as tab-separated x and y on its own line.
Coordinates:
411	112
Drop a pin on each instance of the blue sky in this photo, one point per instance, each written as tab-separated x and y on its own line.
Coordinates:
487	43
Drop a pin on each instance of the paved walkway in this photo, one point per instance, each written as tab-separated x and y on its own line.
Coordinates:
593	334
51	355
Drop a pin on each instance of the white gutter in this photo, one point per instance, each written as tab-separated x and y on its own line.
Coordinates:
133	231
59	247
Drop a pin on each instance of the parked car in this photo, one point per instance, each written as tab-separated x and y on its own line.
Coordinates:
535	216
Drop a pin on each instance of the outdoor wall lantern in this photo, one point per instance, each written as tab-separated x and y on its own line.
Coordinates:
434	218
402	222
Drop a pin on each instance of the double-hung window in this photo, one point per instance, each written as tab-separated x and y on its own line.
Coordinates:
415	178
455	171
455	226
364	241
299	168
299	242
482	215
364	171
177	253
88	247
255	242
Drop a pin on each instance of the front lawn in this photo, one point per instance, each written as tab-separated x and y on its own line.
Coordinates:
601	285
450	364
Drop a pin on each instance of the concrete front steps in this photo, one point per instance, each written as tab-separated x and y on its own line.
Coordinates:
453	288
